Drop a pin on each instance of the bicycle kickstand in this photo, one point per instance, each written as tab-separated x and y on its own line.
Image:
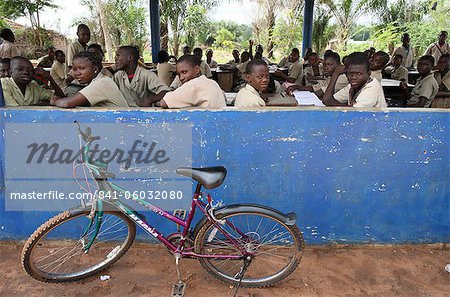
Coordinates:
180	287
241	273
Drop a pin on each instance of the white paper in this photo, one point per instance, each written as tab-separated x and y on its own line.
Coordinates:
307	98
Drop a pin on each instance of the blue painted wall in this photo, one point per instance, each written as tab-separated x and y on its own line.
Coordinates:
351	176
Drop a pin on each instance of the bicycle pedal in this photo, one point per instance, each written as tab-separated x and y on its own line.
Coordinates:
179	289
180	213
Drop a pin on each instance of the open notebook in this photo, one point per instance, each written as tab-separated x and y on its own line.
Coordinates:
307	98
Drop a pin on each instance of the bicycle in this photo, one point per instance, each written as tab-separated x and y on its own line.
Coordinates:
242	244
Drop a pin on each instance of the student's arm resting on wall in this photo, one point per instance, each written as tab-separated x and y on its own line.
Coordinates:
76	100
328	97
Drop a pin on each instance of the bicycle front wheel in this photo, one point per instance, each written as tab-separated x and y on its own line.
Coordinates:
55	253
276	248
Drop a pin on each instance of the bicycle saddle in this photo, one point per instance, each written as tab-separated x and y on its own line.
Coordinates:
209	177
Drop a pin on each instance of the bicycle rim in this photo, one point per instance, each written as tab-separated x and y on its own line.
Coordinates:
275	248
55	251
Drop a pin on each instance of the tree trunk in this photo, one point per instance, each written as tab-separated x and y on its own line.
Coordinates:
164	32
270	27
108	43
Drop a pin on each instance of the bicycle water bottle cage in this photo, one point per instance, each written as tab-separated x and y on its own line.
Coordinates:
209	177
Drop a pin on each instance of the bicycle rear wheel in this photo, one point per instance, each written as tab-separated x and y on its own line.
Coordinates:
276	248
54	252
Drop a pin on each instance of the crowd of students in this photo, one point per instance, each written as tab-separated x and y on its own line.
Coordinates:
78	77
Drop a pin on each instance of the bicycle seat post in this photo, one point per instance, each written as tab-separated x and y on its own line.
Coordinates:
198	188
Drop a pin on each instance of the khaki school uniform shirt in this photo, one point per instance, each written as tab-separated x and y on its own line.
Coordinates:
437	51
34	93
8	50
400	73
166	72
213	64
443	80
73	49
103	92
143	84
376	74
198	92
341	83
310	72
206	71
249	97
296	72
285	62
370	95
406	53
242	66
425	87
58	72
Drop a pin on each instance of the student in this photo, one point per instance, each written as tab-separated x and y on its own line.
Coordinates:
378	62
288	61
8	49
79	45
439	48
236	57
47	60
406	51
313	71
362	90
58	70
196	90
442	76
257	77
100	91
209	60
5	67
295	73
206	71
259	49
166	71
21	90
186	50
245	59
399	72
331	62
426	86
139	86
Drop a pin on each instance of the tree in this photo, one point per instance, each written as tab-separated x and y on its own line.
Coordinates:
321	28
347	12
27	8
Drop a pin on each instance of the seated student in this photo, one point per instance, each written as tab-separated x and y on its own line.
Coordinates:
236	60
313	71
377	63
295	73
196	91
21	90
442	76
209	60
166	71
206	71
47	60
399	72
58	70
257	77
245	59
186	50
259	49
79	45
362	90
288	61
331	62
8	49
5	67
100	90
139	86
426	86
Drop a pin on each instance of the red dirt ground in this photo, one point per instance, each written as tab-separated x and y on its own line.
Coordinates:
148	270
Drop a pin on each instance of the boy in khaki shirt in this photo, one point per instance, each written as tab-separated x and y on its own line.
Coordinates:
58	70
362	90
21	90
399	72
205	69
257	76
442	76
139	86
378	61
426	86
196	90
295	74
79	45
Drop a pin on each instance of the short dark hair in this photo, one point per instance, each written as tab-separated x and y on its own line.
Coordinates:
59	52
5	61
19	58
334	56
295	50
384	57
197	50
253	63
314	54
327	53
428	58
83	27
96	46
132	51
163	56
398	56
190	59
358	58
93	58
444	32
7	34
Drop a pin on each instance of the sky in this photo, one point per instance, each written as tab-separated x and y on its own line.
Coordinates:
61	20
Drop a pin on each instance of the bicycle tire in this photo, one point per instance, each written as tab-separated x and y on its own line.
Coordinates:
205	245
45	241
